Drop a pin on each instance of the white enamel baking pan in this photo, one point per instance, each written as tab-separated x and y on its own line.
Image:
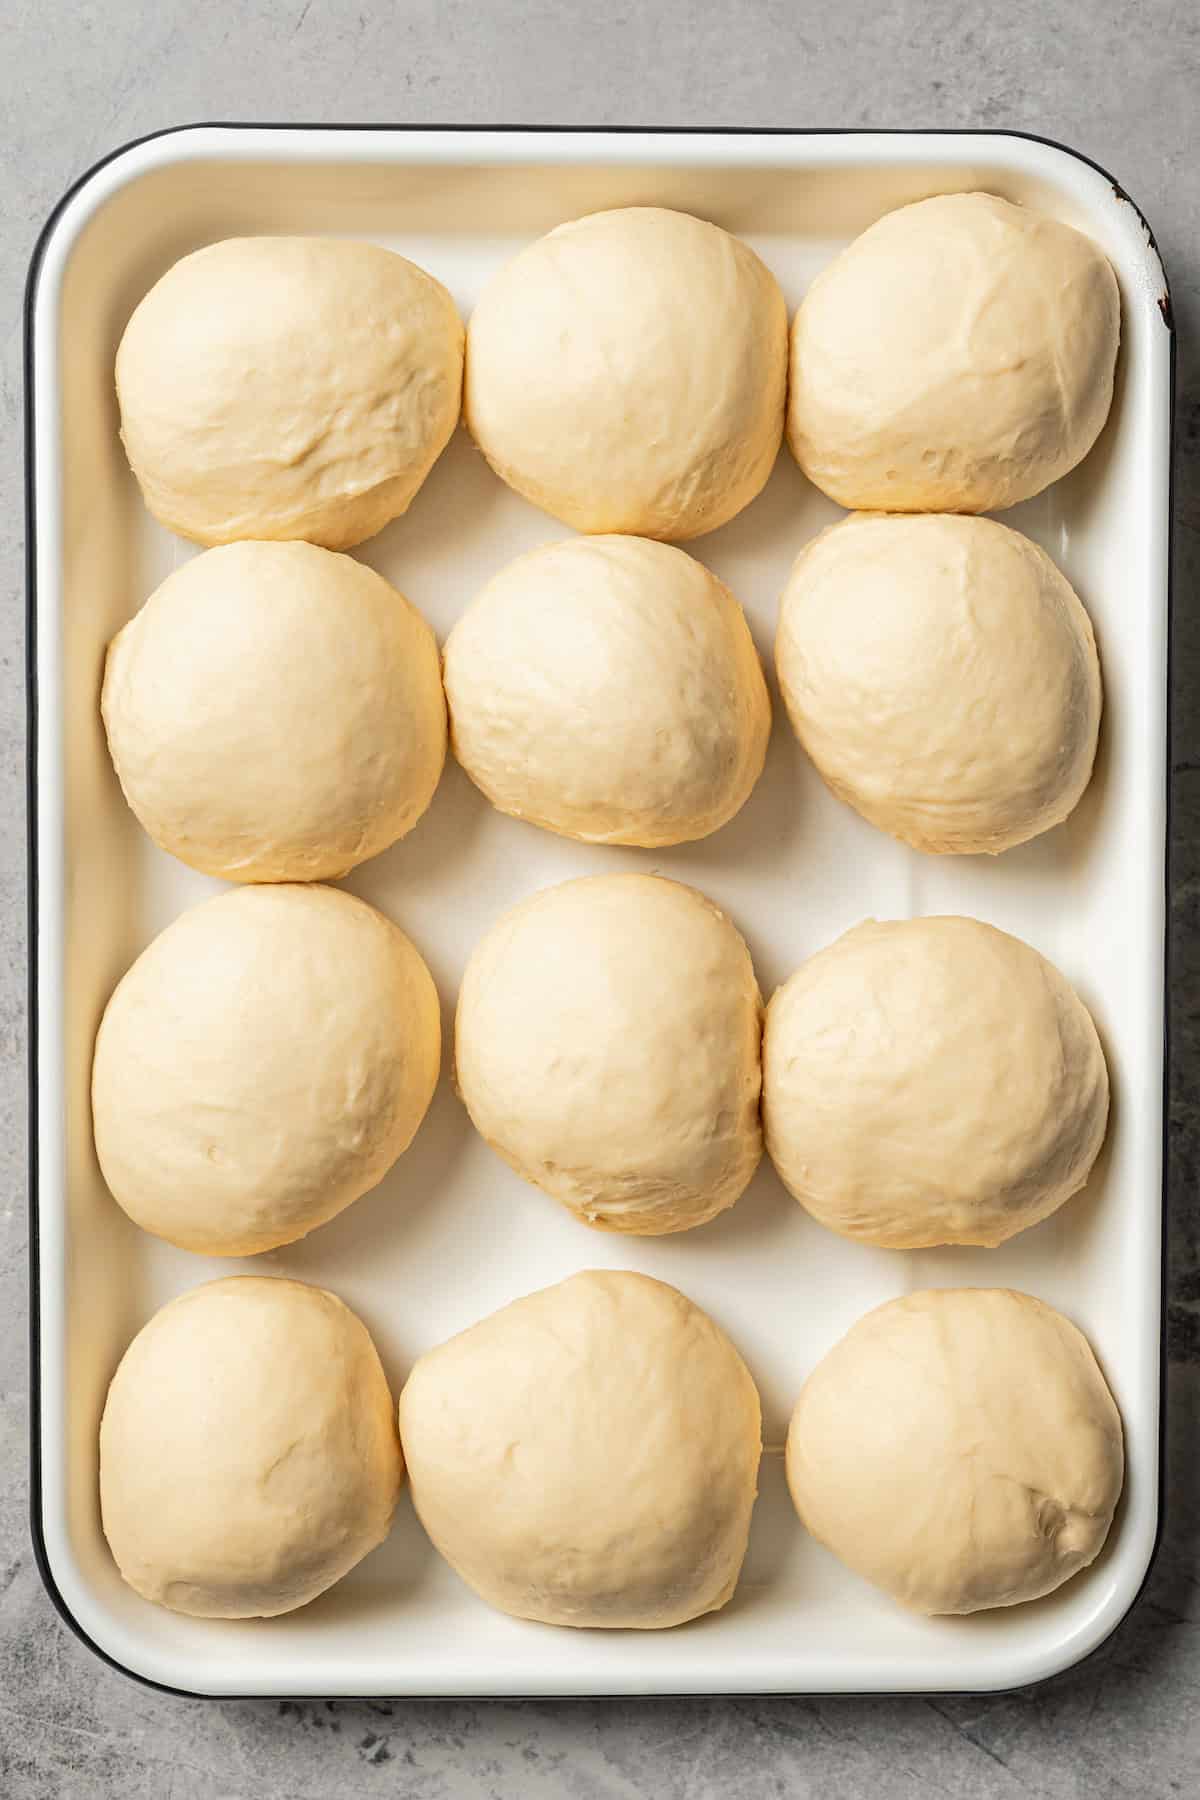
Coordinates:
451	1235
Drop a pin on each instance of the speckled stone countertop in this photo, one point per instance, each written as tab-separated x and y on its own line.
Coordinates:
1120	82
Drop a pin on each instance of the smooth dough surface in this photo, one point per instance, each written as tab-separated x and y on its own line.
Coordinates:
627	373
288	387
588	1455
608	688
275	713
249	1456
607	1046
942	675
957	357
262	1064
960	1449
931	1081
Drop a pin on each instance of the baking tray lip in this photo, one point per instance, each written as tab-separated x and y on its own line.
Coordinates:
41	246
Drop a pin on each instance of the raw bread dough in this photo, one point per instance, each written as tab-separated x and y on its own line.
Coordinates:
608	688
957	357
275	713
931	1081
262	1064
607	1047
960	1449
248	1450
627	372
288	387
588	1455
943	677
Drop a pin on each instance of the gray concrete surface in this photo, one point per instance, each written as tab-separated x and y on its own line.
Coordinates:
1121	82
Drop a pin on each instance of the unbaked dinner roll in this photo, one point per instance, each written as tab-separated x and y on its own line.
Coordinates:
607	1047
627	373
262	1064
275	713
588	1455
248	1451
960	1449
608	688
288	387
931	1081
957	357
943	676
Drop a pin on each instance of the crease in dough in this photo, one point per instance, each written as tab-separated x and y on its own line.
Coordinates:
627	373
931	1081
288	387
262	1065
607	1046
942	674
932	1444
608	689
249	1455
274	712
958	356
588	1455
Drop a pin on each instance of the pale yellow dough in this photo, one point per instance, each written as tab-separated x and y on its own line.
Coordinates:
275	713
588	1455
263	1063
942	674
960	1449
931	1081
288	387
957	357
608	688
248	1451
607	1047
627	373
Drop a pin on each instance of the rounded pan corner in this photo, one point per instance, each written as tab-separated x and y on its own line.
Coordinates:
1068	153
1055	1665
54	1593
87	178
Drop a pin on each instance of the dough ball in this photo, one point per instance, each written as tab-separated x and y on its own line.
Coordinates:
288	387
588	1455
943	677
275	713
608	1040
960	1449
628	373
957	357
248	1450
608	688
262	1064
931	1081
